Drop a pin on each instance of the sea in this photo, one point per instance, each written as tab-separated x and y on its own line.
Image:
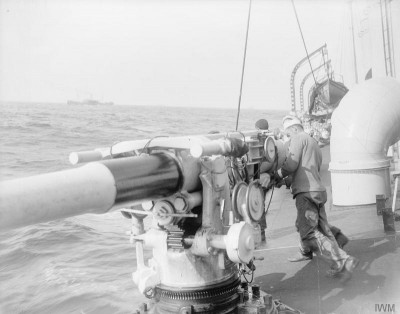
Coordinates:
84	264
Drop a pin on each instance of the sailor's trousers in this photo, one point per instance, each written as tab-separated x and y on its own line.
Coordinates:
315	232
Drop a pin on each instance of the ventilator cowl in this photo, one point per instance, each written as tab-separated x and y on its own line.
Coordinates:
364	125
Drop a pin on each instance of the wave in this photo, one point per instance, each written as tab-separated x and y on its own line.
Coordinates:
39	125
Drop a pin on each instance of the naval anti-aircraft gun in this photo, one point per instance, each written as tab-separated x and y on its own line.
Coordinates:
207	207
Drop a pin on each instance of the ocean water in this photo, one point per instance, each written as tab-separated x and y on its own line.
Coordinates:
83	264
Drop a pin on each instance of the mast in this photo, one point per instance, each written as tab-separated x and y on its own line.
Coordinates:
386	37
354	44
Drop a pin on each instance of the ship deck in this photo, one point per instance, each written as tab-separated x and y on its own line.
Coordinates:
375	286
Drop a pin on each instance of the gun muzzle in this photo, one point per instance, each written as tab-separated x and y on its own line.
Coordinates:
93	188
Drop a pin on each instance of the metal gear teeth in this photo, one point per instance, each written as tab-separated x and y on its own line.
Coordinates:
175	238
198	295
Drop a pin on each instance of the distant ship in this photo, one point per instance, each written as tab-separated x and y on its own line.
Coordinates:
90	102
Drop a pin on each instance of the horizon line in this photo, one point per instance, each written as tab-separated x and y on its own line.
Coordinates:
147	105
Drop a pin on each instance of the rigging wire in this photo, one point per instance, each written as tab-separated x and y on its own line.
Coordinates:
243	65
326	65
354	43
341	39
304	43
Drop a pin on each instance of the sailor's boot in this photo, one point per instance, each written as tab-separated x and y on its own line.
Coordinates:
349	266
341	240
302	255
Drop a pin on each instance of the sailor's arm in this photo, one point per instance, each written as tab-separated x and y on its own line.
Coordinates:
292	160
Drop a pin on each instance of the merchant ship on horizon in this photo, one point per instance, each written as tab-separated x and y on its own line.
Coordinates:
90	102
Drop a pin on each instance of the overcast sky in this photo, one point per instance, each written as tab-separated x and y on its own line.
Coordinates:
173	53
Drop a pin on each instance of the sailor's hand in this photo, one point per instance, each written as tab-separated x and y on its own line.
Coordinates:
288	181
265	180
279	183
276	177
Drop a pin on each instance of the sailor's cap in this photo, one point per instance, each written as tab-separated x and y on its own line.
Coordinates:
289	121
262	124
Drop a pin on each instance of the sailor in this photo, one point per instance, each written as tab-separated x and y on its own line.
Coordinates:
303	162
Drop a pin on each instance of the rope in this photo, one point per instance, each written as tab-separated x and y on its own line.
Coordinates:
243	66
304	43
270	199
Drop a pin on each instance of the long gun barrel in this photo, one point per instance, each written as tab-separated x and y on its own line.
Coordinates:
96	187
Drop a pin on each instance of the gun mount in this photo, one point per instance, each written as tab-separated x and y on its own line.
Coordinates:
205	200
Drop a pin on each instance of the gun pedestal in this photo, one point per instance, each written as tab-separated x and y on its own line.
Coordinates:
195	268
